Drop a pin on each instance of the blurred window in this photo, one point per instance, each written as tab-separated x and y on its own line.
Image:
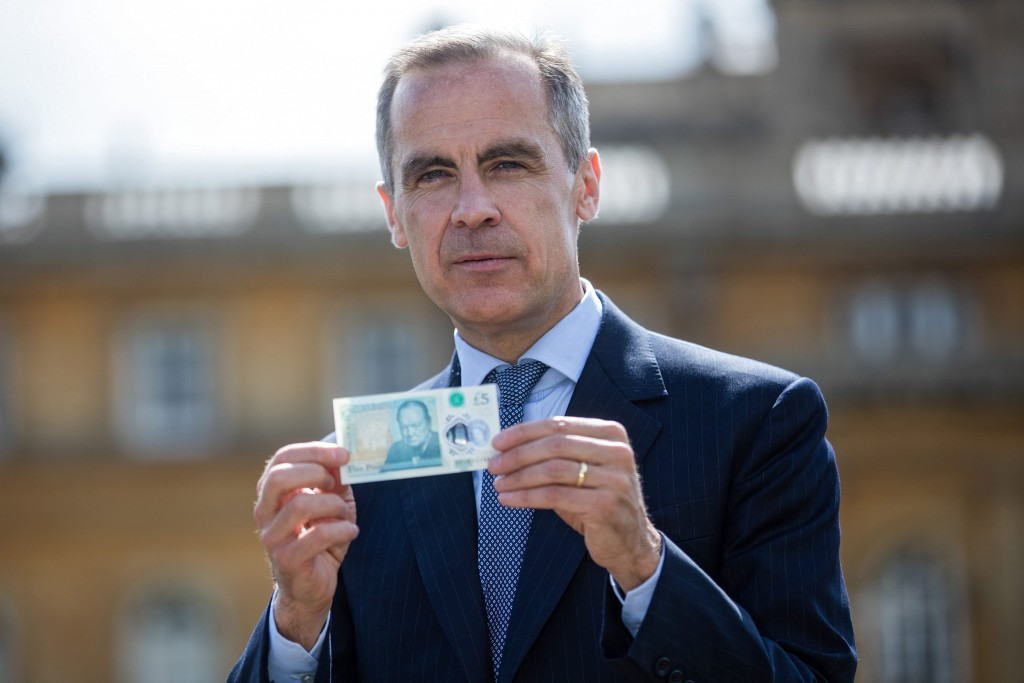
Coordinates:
173	213
935	326
171	634
390	353
391	345
167	390
922	321
876	176
875	322
904	85
385	353
912	622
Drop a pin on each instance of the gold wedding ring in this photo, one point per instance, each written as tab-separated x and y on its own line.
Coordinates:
582	475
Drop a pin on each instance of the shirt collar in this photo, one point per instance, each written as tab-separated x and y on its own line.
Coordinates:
563	348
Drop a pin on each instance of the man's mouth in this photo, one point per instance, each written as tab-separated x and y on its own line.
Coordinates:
483	261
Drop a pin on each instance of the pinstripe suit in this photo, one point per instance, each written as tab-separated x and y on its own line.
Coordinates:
737	476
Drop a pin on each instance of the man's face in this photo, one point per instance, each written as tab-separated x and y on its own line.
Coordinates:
414	425
484	198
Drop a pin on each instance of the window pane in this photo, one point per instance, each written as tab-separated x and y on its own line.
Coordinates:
378	352
388	349
914	621
169	636
935	324
875	323
169	390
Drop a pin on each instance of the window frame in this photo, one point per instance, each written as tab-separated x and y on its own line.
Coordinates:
138	421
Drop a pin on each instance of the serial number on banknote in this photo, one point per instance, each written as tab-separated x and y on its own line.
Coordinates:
417	433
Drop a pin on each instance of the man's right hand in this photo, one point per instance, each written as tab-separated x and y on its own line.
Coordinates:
306	519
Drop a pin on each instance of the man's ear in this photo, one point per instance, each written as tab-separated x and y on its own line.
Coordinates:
590	192
397	231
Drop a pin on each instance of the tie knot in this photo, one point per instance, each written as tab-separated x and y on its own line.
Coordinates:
515	382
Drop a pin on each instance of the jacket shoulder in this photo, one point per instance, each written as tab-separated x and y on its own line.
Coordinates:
687	366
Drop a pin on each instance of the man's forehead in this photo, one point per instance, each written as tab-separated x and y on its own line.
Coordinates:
480	105
465	71
423	91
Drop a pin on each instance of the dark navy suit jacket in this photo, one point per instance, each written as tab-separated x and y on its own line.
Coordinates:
737	476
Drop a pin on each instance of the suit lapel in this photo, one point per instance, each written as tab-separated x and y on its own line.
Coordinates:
621	369
621	372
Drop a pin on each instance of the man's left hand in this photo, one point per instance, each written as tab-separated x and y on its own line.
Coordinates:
539	466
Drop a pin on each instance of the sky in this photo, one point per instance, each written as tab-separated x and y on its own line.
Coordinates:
101	93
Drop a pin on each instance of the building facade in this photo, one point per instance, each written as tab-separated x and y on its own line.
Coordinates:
854	214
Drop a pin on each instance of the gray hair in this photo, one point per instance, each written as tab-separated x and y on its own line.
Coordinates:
570	112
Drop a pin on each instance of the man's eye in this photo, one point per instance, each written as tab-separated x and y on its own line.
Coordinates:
436	174
509	166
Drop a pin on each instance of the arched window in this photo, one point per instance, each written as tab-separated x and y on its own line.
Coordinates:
170	633
914	623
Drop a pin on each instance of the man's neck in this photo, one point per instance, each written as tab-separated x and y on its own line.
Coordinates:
503	346
507	343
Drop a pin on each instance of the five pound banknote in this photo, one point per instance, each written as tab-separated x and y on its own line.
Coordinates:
417	433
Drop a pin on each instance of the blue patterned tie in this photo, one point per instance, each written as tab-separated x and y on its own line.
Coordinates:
501	538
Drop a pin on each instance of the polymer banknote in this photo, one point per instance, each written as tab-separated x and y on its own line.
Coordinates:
417	433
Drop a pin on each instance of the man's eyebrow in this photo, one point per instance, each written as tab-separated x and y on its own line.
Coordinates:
418	163
516	148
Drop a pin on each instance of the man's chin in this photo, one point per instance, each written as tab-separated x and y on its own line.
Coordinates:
508	311
484	312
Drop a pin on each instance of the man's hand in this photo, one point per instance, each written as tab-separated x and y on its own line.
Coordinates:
539	467
306	520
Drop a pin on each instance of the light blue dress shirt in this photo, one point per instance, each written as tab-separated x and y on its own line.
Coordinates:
564	349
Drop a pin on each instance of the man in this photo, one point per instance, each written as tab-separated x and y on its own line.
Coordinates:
681	504
419	446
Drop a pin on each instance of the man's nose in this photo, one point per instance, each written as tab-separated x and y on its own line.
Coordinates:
475	206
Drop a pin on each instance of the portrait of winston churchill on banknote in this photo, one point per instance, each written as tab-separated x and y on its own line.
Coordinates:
419	445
